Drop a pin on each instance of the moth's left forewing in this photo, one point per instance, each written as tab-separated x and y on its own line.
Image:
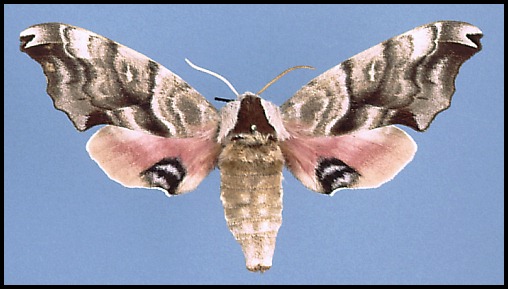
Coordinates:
164	131
95	80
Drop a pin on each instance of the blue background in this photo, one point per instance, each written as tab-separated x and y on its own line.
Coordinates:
440	221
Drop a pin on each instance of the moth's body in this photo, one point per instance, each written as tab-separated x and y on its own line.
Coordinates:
251	164
334	133
251	193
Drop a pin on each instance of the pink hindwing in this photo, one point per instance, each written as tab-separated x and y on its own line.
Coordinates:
138	159
364	159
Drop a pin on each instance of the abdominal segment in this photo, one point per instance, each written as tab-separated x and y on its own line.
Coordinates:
251	193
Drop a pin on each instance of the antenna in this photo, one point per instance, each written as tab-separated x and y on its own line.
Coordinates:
282	74
212	74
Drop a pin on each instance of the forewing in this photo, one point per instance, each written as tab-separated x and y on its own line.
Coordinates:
95	80
405	80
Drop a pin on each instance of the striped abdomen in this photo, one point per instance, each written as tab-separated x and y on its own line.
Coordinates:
251	193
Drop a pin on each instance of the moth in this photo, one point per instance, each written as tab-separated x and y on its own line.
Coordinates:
336	132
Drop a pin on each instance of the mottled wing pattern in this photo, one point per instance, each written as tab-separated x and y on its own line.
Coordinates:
95	80
341	122
156	122
405	80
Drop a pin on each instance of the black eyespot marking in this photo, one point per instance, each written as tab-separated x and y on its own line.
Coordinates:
333	174
166	174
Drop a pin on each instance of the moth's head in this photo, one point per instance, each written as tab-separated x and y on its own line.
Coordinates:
251	117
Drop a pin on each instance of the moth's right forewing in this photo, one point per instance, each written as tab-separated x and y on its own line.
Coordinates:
406	80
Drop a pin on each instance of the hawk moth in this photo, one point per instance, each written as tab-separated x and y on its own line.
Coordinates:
338	131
